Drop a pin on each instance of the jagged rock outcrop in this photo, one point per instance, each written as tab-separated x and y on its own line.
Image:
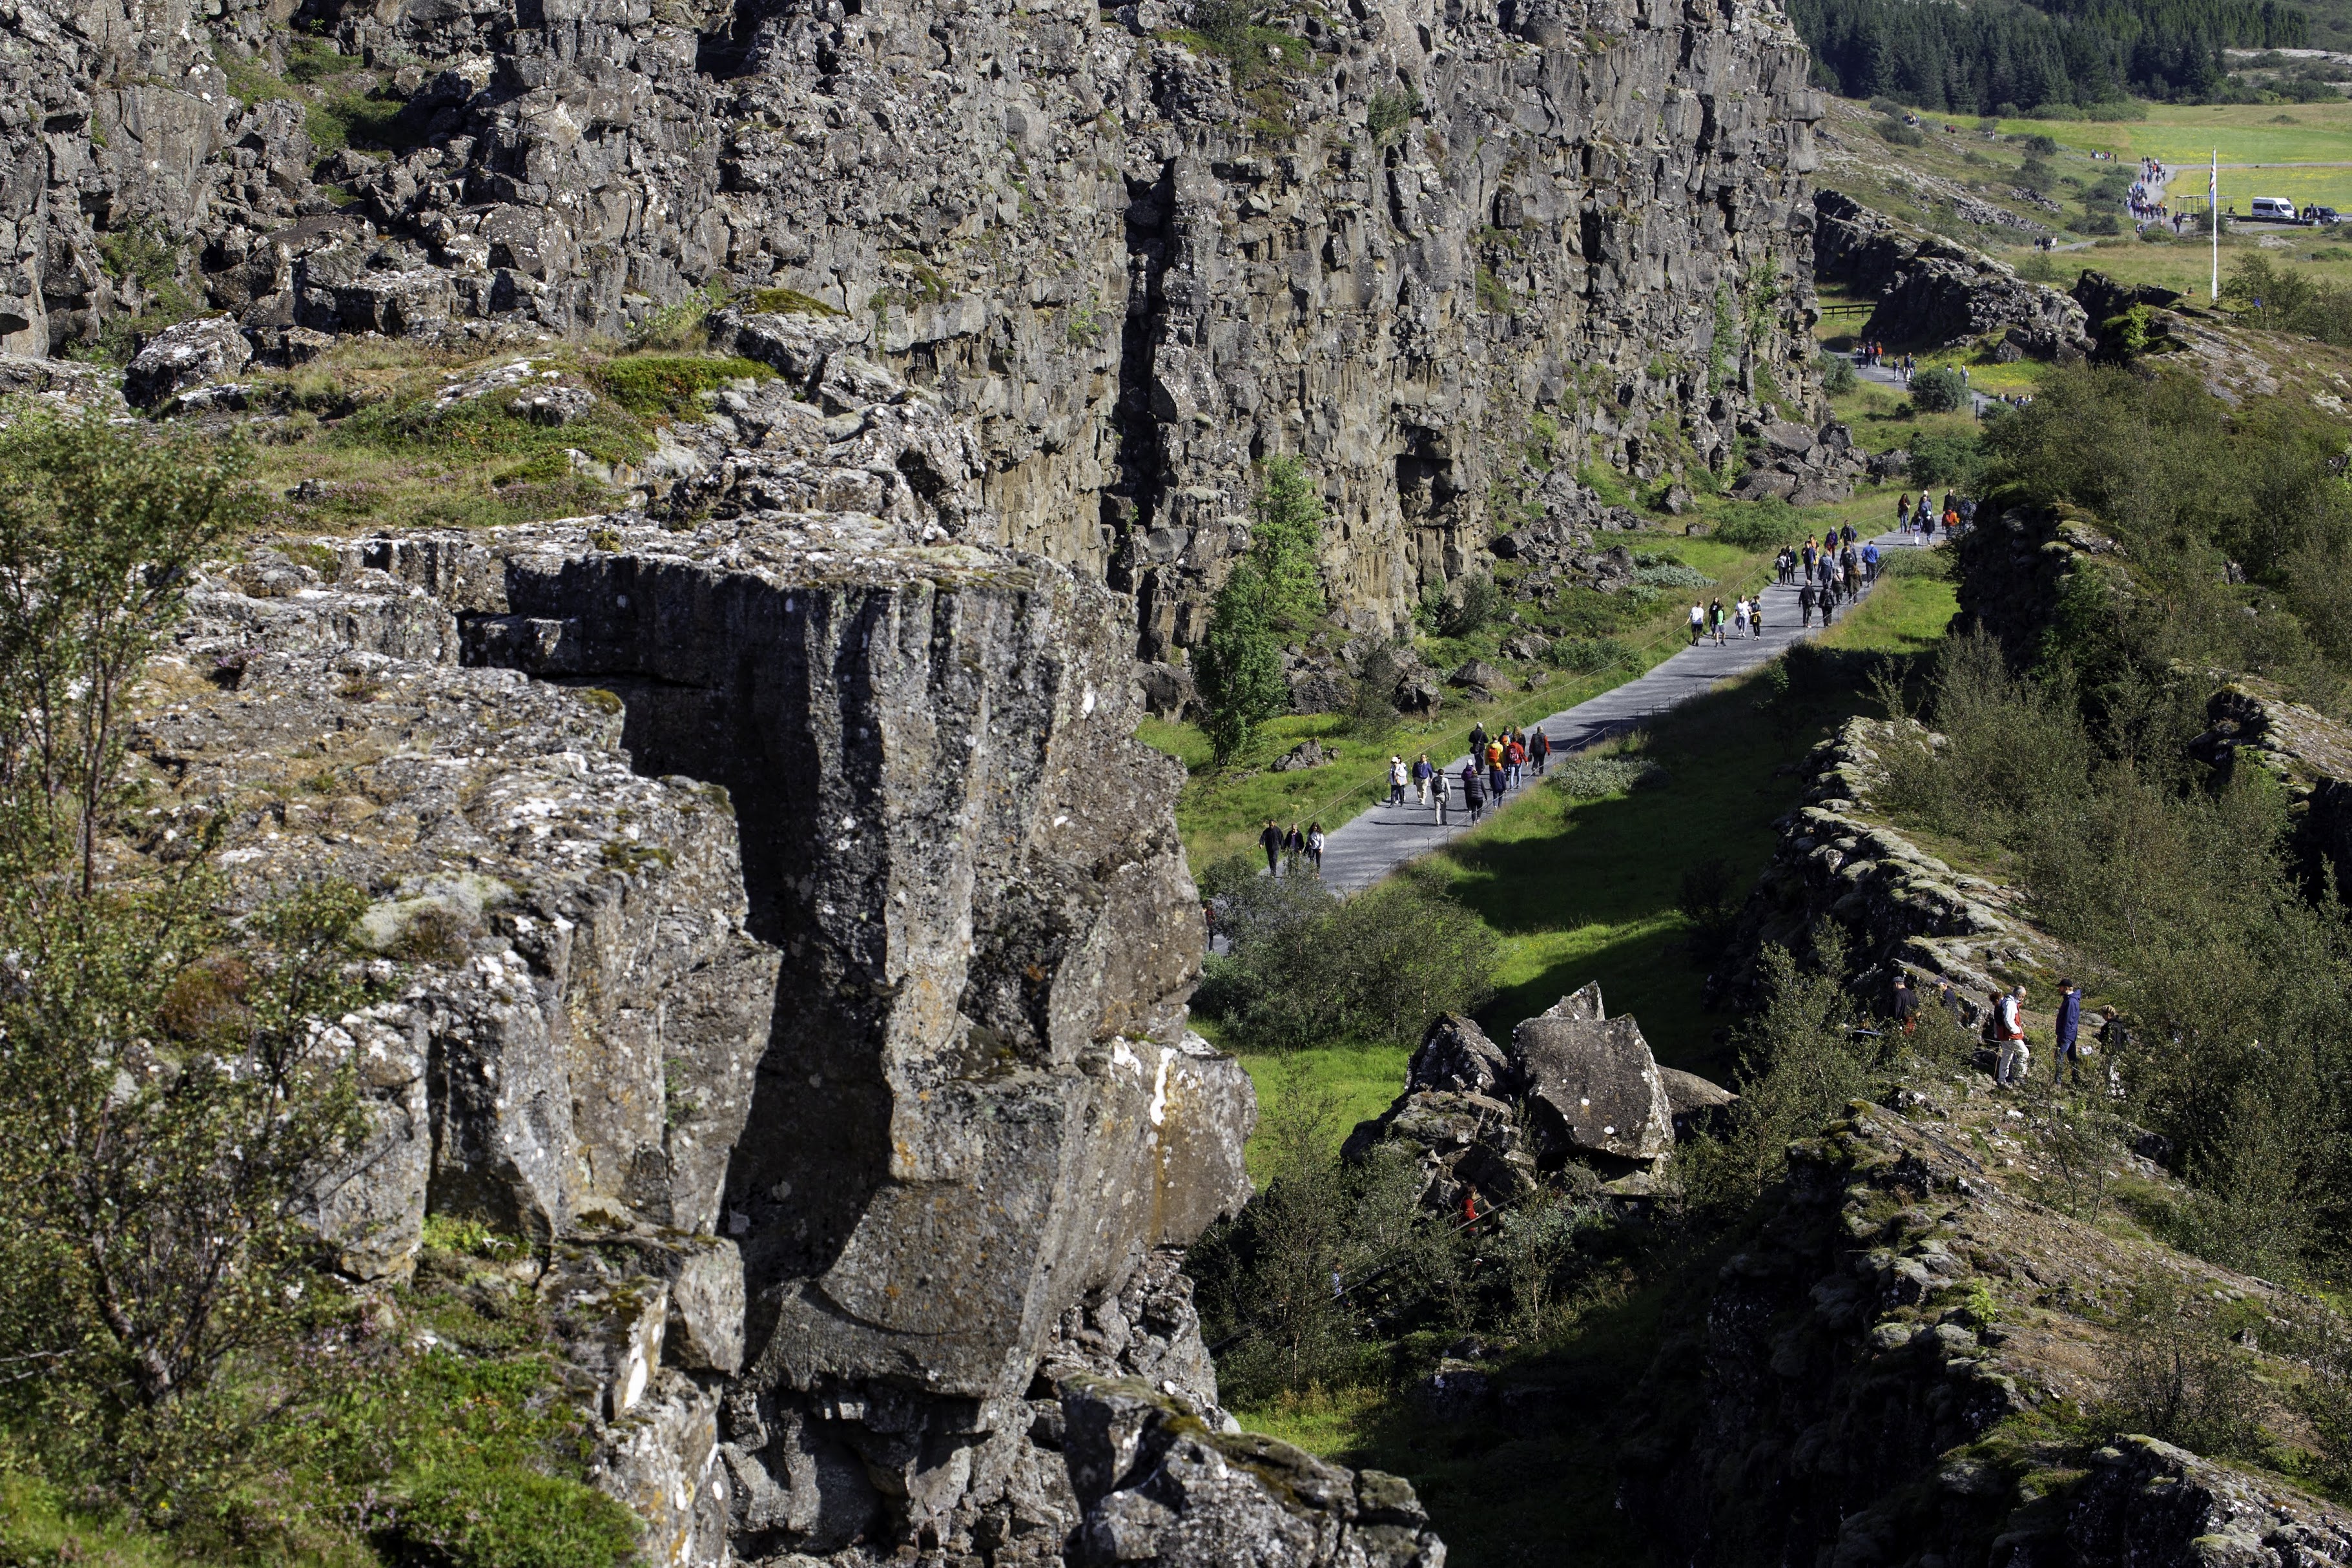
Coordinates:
1903	911
1160	1489
2016	567
2308	754
1432	238
1933	292
796	948
1872	1379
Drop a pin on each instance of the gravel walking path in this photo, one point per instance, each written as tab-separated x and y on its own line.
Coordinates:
1385	837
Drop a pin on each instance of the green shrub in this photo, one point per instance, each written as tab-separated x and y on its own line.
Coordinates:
1894	130
1590	775
1305	968
1589	655
1764	524
1947	457
470	1518
2181	1379
1390	111
1837	374
1461	608
670	386
1671	575
1939	390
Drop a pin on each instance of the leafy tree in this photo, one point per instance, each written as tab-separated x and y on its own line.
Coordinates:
1237	666
100	527
1285	542
1278	587
168	1093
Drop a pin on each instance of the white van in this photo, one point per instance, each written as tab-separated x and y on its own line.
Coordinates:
2277	209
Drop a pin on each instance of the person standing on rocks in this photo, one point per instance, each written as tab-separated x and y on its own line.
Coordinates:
1907	1004
1805	603
1271	842
1474	791
1396	779
1422	774
2067	1063
2016	1059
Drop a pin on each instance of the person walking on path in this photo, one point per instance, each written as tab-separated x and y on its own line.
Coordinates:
1396	779
1423	772
1805	603
1437	787
1756	614
1478	741
1294	845
1474	791
1715	619
2067	1065
1315	845
1740	616
1810	554
2016	1060
1903	509
1698	624
1539	749
1495	780
1870	561
1271	842
1514	759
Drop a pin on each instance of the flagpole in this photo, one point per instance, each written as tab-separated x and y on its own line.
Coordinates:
2213	219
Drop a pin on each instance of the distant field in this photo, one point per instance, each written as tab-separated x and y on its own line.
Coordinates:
2186	135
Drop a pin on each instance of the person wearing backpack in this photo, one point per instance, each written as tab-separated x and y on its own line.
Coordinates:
1474	791
2016	1059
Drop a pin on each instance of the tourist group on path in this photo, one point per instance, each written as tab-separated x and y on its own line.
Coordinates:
1497	765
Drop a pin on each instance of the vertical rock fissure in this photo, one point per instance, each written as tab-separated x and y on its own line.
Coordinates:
1131	502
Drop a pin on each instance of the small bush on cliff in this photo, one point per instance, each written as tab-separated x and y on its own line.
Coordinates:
2181	1379
1837	375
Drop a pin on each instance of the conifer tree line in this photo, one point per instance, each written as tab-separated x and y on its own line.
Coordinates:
2005	57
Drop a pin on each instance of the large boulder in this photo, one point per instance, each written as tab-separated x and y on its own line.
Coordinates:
1591	1085
188	355
1455	1054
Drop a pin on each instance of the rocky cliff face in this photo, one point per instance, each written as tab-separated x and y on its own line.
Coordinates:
795	947
1426	247
1908	1364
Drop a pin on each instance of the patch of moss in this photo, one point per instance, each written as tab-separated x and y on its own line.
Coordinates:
790	302
670	386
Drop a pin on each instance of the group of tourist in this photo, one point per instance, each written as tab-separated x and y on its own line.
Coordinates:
2005	1030
1711	620
1285	847
1922	519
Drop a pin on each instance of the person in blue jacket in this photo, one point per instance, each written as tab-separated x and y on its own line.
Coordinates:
2069	1066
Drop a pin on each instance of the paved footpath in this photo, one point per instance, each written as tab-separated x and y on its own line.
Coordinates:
1385	837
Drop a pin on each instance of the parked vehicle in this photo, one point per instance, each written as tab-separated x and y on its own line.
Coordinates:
2274	209
2316	214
